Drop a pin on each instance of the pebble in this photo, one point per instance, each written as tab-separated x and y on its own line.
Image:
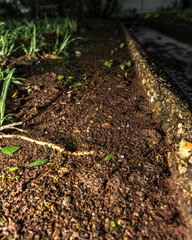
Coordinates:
190	159
185	149
67	200
182	169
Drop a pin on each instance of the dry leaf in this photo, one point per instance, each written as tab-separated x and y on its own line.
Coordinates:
76	130
53	208
54	89
106	125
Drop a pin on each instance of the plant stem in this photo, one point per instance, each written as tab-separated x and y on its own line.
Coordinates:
4	92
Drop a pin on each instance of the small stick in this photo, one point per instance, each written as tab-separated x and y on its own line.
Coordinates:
50	145
12	126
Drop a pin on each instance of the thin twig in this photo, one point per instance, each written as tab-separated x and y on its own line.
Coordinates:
12	126
50	145
18	129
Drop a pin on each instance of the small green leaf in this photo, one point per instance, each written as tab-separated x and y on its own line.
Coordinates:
122	66
122	45
108	157
79	84
12	169
39	162
85	76
112	52
129	64
15	95
9	117
9	149
68	81
60	77
113	225
71	77
108	64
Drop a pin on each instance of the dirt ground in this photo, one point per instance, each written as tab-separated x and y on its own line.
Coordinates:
129	196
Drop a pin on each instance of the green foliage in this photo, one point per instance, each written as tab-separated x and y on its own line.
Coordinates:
109	64
3	177
113	225
6	48
62	46
108	157
69	80
6	77
71	24
8	36
30	35
116	49
12	169
122	66
129	64
7	81
122	45
9	149
35	43
125	65
79	84
61	77
39	162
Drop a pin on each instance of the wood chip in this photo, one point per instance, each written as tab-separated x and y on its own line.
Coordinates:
106	125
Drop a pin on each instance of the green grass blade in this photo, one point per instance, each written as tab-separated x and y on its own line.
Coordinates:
6	84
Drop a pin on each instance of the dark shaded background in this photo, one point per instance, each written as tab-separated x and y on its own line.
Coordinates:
73	8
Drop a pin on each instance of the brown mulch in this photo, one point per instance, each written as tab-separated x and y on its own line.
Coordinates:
131	195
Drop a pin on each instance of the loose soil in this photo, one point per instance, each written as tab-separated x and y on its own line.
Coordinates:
131	195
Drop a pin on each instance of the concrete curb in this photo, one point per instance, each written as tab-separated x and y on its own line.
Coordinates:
176	118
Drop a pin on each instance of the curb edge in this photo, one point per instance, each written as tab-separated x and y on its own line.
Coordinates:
176	117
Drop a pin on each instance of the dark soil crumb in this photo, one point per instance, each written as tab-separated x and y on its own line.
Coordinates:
129	196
